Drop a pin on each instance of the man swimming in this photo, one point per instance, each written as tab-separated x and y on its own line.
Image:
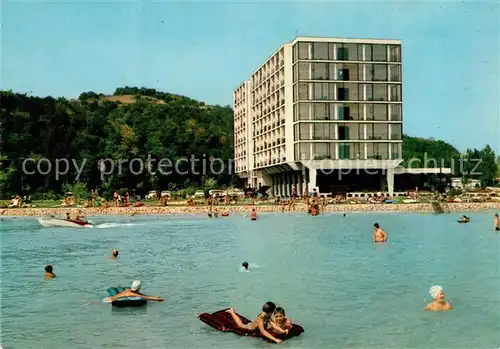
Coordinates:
245	265
114	254
439	304
378	234
133	291
49	272
464	219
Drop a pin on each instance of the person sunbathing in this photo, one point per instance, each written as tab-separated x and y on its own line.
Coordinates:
133	291
263	322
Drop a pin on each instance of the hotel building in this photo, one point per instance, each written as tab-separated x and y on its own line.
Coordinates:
323	113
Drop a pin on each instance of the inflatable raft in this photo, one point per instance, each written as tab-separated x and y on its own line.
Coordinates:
222	321
125	301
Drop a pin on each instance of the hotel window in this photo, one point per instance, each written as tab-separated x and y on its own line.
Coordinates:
342	53
395	93
320	91
396	132
395	72
343	74
344	151
320	51
376	112
321	151
320	71
344	112
303	50
304	71
295	53
395	112
321	111
304	111
395	53
303	93
379	53
342	94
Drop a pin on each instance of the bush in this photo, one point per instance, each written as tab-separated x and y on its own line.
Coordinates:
454	192
79	190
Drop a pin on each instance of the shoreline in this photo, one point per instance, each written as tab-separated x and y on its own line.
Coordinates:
299	207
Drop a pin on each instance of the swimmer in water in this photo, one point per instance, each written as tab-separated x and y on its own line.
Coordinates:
496	222
281	320
439	304
464	219
378	234
262	323
253	214
245	265
114	254
133	291
49	272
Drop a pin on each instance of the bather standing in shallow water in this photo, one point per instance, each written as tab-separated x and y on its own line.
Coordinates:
378	234
496	222
438	304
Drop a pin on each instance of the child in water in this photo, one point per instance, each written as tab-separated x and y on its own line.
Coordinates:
281	320
262	323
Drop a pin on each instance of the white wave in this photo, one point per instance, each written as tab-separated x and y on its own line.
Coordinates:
114	225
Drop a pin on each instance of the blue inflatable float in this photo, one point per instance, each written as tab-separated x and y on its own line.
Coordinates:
125	301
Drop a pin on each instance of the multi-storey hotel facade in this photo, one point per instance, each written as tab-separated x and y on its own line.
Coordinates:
322	113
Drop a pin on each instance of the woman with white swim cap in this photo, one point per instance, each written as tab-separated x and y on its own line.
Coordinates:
438	304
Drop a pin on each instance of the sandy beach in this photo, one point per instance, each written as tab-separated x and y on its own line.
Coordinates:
299	207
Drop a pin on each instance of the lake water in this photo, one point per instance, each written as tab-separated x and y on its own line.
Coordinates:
344	290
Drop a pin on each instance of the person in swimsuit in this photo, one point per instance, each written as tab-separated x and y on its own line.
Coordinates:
262	323
49	272
496	222
378	234
116	198
114	254
245	265
253	214
133	291
439	304
281	320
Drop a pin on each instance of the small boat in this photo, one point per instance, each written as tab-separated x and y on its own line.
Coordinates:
56	222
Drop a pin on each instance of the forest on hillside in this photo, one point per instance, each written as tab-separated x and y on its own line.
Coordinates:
137	123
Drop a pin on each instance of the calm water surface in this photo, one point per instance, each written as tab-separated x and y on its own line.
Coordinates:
345	291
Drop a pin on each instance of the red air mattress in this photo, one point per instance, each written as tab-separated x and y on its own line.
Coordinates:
222	321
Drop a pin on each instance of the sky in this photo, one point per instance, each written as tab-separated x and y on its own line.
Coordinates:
451	51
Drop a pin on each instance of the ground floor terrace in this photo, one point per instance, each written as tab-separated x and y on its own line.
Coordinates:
341	181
